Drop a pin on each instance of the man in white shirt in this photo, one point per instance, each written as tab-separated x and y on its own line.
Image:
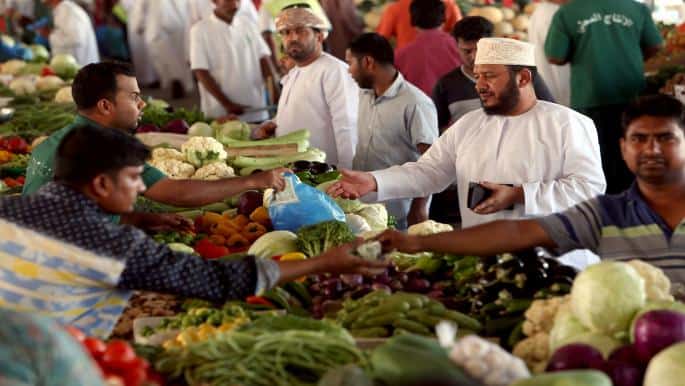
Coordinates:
233	81
397	121
138	13
166	36
73	32
200	9
558	78
534	157
318	94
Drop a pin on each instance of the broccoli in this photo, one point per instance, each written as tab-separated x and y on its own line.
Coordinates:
316	239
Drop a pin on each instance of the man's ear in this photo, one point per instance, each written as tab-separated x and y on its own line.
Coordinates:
105	106
622	142
368	63
102	186
525	77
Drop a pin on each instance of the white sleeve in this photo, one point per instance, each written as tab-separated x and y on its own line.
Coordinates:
263	49
266	21
199	57
432	173
65	34
342	98
581	175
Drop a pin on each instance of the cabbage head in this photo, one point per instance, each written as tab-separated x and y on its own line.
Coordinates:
566	327
606	296
64	65
376	215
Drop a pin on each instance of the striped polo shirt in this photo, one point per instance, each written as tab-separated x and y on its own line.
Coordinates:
620	227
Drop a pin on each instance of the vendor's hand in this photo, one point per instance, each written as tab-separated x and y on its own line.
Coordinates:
270	179
417	216
266	130
340	260
353	184
160	222
392	240
503	197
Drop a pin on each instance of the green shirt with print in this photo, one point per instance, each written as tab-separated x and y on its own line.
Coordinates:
602	39
40	170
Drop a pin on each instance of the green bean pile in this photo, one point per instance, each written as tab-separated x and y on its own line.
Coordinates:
34	120
291	358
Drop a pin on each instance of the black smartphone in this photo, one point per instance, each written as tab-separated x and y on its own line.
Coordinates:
478	194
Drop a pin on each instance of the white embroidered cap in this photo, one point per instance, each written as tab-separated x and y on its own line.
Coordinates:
505	51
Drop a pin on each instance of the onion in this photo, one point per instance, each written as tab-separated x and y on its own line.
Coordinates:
627	354
623	374
352	280
656	330
576	356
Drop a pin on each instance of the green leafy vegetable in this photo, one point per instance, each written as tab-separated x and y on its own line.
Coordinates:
313	240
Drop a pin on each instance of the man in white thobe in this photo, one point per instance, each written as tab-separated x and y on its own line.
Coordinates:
232	82
534	157
72	32
138	13
166	36
558	78
318	94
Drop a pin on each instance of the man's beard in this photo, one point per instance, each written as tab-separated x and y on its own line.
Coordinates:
507	101
303	54
365	81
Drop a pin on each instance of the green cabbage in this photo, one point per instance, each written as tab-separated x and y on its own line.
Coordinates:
200	129
566	327
64	65
274	243
232	131
606	296
40	53
374	214
667	368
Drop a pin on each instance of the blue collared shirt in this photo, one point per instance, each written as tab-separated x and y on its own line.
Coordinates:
621	227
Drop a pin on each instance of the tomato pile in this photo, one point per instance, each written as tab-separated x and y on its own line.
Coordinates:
118	361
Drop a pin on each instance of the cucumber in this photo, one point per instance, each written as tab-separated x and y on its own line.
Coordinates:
389	307
411	326
372	332
422	317
384	320
463	320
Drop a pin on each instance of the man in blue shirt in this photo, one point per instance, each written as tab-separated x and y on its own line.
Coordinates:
645	222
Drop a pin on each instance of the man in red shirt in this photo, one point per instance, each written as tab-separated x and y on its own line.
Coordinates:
396	21
433	53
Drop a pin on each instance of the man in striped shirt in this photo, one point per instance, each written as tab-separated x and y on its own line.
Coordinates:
645	222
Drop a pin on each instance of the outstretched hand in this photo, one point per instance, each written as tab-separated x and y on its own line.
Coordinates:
353	184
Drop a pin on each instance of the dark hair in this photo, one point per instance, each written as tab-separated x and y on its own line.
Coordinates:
373	45
88	151
427	14
473	28
659	105
97	81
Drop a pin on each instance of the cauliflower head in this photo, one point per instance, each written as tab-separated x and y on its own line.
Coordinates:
428	227
174	168
162	153
375	215
657	285
534	351
541	313
201	151
214	171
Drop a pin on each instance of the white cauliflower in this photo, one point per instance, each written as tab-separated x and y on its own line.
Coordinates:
487	362
535	350
657	285
161	153
375	215
428	227
201	151
214	171
174	168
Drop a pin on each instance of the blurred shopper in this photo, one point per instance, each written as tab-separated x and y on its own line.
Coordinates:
346	22
138	16
557	78
166	37
433	53
72	32
233	81
606	42
396	21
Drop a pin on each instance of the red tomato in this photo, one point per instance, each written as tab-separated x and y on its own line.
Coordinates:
134	376
76	333
47	70
21	180
95	347
118	355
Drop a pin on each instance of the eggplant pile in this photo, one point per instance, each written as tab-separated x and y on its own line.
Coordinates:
314	173
497	290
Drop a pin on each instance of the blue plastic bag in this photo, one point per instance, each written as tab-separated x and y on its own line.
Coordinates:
300	205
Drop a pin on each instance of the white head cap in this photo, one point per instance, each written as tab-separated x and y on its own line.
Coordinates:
505	51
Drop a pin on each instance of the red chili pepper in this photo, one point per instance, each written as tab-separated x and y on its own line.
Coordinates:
14	144
11	182
209	250
21	180
258	300
276	258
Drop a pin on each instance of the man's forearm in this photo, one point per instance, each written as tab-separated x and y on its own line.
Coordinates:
208	81
194	193
487	239
292	270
